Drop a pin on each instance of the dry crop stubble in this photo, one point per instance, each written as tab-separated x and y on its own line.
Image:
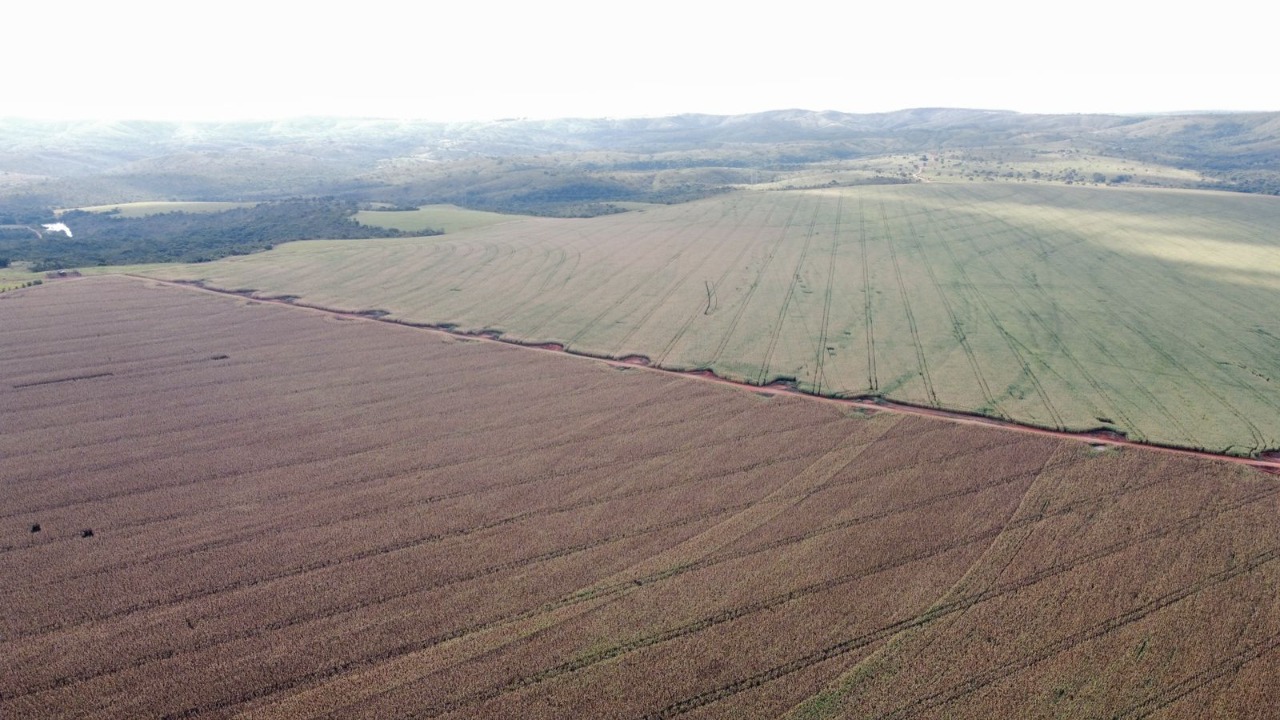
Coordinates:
472	528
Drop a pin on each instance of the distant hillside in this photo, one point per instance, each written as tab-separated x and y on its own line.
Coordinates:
78	163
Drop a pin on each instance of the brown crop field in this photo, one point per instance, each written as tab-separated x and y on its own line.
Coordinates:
217	507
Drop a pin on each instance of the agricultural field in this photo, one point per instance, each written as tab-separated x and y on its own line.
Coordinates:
218	506
1146	312
445	218
16	277
157	207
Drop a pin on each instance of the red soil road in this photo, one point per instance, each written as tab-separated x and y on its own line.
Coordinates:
297	515
1267	461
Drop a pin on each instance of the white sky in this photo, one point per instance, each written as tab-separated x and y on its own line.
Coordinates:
477	60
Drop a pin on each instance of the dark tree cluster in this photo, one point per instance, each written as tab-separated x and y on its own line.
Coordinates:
106	239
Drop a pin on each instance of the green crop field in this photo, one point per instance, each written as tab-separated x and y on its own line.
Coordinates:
11	278
1151	312
143	209
447	218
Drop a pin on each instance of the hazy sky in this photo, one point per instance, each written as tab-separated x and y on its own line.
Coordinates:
561	58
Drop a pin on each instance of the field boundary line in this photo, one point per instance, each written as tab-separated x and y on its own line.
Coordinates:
863	402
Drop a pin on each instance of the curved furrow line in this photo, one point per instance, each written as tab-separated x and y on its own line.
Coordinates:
567	305
820	358
492	251
906	306
289	463
977	682
546	282
873	379
1062	347
250	535
406	544
786	301
1233	664
661	360
637	287
532	273
885	632
413	279
380	599
957	328
680	282
555	246
459	257
1009	340
690	628
751	290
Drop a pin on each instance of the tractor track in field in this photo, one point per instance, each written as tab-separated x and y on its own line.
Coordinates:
609	591
942	610
994	675
755	284
820	358
923	364
1099	346
625	586
1055	337
957	328
630	584
1137	318
1053	334
375	479
763	376
679	283
640	239
1268	460
770	603
401	545
729	268
612	590
380	599
873	379
1171	695
1010	341
640	285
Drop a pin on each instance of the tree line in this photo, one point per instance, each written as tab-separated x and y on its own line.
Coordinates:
106	239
